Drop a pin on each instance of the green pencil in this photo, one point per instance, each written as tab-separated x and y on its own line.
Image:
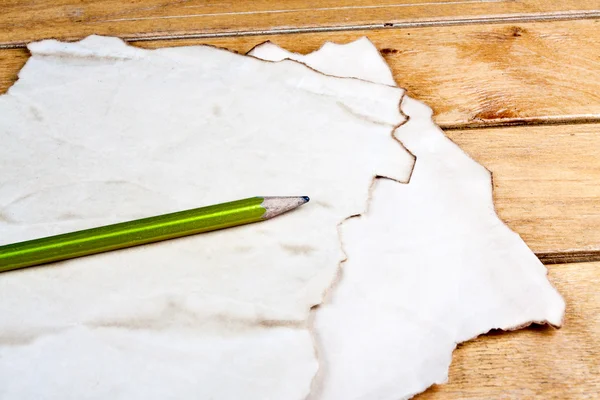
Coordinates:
143	231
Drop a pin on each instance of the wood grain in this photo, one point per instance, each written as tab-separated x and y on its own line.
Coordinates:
73	19
538	362
545	185
479	75
11	62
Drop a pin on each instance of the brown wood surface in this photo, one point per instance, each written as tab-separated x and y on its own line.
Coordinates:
546	184
473	75
70	19
537	362
478	77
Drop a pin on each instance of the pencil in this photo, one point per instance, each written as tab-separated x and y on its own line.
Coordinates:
144	231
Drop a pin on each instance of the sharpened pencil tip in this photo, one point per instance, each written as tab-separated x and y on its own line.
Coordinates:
278	205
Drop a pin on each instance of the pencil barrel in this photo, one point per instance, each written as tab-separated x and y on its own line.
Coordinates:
128	234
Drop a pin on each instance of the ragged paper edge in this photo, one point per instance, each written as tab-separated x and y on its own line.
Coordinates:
319	376
339	272
544	322
406	119
498	219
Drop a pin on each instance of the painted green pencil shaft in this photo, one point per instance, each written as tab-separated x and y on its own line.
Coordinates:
132	233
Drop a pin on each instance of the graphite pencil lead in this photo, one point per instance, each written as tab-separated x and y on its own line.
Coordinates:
275	206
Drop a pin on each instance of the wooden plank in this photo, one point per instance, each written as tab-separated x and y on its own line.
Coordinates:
11	62
477	75
73	19
545	185
541	363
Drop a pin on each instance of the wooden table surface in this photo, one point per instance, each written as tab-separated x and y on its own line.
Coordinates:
516	83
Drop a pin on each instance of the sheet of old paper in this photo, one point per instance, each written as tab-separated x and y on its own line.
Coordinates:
97	132
429	264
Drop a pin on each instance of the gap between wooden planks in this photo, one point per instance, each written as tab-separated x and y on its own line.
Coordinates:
72	19
478	75
538	362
